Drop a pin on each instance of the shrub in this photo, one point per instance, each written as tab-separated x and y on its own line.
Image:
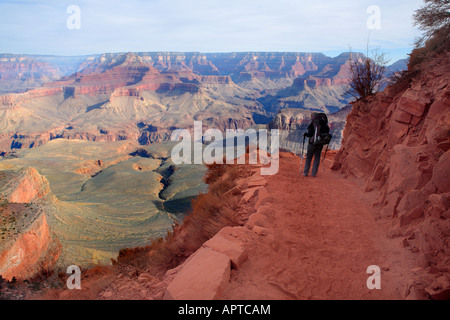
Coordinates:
366	75
434	20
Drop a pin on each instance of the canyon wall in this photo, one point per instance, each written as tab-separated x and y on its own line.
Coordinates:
27	244
398	142
18	72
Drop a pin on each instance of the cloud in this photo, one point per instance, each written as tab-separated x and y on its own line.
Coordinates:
203	25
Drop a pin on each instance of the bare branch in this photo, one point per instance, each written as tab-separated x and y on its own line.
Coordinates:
366	74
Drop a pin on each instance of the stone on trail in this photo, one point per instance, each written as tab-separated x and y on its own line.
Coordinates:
203	277
256	180
233	249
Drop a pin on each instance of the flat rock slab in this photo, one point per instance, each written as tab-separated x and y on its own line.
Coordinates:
263	197
256	180
237	234
249	193
257	219
233	249
203	277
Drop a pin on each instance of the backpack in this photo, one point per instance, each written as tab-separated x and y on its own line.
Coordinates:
320	121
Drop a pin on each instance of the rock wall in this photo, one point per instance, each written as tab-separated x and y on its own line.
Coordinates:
27	245
28	186
19	72
28	254
398	142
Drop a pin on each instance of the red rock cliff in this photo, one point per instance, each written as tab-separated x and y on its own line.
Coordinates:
399	143
27	245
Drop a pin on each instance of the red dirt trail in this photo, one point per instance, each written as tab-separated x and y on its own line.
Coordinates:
321	236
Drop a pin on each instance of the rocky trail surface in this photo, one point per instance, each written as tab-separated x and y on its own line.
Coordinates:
302	238
317	239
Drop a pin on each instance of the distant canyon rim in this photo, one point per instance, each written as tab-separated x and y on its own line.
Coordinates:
145	96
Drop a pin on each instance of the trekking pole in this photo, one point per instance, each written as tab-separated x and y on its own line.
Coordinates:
323	160
325	154
301	158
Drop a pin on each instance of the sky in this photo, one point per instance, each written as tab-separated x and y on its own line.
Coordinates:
100	26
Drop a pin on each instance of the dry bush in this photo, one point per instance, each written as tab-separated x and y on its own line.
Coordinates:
400	81
434	20
432	48
210	214
215	171
53	285
366	75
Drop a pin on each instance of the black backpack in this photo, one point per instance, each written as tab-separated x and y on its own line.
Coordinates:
320	122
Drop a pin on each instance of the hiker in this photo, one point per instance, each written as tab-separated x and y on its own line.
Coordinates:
319	135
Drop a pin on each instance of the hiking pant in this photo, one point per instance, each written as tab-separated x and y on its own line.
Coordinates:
313	151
